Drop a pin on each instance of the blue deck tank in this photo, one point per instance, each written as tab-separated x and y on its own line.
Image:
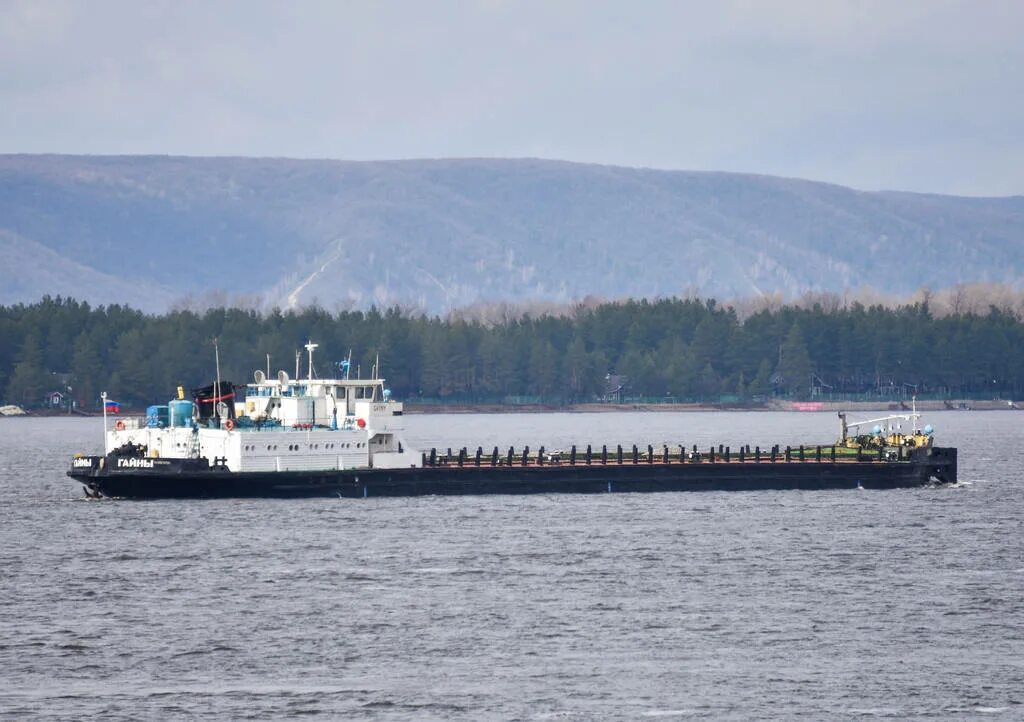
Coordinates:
156	417
180	412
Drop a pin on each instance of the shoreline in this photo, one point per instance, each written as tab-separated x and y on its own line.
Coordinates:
789	406
597	408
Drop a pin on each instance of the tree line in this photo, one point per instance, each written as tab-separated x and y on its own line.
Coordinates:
672	349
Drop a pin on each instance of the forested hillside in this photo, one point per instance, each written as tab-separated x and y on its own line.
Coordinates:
678	349
163	232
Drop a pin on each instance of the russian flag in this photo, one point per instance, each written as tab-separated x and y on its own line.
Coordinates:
113	407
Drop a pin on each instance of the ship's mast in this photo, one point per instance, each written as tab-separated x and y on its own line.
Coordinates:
103	398
216	391
309	347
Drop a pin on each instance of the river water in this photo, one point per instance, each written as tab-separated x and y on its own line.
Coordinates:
747	605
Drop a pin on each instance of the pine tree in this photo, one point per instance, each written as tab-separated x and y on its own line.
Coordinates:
795	365
86	370
761	385
28	380
709	385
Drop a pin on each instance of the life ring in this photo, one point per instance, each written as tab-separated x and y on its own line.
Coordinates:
119	425
229	424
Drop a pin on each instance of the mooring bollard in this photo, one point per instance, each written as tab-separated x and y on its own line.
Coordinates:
526	455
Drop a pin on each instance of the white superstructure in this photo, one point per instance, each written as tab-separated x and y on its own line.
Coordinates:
281	424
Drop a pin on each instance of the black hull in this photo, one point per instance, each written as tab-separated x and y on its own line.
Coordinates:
188	480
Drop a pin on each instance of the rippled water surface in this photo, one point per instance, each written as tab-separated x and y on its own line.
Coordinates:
746	605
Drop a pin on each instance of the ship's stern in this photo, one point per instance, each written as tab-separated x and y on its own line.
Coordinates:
941	464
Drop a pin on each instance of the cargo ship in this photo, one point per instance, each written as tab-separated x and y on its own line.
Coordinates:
342	437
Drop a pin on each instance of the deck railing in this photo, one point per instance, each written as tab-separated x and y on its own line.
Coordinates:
676	454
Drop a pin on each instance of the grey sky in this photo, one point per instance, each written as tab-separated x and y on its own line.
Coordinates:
916	95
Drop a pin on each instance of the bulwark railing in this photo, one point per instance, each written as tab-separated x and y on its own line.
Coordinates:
677	454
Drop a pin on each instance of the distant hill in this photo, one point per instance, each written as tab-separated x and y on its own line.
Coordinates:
439	234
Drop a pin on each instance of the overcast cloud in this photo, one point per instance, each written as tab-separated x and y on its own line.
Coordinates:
915	95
